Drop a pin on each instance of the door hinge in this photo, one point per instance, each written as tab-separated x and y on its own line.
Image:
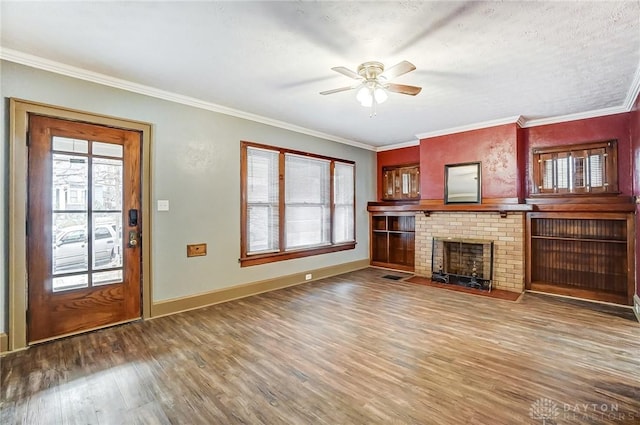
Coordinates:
26	228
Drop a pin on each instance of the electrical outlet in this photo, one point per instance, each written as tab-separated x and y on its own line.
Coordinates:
308	276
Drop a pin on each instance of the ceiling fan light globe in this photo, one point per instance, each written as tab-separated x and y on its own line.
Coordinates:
380	95
364	96
367	102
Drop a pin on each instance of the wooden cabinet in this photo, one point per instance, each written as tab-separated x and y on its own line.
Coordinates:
393	241
584	255
401	183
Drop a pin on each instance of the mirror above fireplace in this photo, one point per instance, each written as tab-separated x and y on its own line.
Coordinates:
462	183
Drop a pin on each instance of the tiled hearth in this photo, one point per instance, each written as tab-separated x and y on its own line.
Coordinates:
507	234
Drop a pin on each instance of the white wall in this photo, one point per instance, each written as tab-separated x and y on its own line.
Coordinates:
195	164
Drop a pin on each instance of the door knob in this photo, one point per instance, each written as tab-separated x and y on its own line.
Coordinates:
133	238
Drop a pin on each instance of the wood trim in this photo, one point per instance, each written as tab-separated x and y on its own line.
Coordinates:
528	251
295	152
281	254
636	306
631	258
4	342
574	147
18	126
393	266
177	305
257	259
549	288
574	207
40	341
433	207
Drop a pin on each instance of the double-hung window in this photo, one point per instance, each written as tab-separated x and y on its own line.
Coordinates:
294	204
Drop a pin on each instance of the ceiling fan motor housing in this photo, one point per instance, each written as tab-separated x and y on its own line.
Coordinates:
370	70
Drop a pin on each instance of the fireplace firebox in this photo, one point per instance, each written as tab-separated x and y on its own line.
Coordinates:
464	262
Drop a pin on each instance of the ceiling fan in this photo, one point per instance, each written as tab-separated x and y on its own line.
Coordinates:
374	82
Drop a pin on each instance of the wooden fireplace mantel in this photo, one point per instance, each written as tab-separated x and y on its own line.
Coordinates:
427	206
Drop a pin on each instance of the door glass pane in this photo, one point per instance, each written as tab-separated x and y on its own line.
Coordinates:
107	240
104	278
106	149
70	250
107	184
64	144
69	182
70	282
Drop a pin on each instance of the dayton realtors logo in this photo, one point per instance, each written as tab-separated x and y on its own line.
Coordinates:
544	410
548	412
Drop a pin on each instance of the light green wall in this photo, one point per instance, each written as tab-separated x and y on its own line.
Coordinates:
195	164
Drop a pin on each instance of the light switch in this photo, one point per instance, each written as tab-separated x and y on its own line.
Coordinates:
163	205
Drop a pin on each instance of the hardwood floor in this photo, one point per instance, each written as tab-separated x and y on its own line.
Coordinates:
353	349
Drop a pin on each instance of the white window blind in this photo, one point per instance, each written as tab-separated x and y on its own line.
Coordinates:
547	181
562	178
307	202
343	177
596	170
262	200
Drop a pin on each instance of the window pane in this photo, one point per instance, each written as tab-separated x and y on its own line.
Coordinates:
343	224
69	182
262	224
107	240
547	181
66	283
106	149
578	171
563	172
307	225
262	200
308	212
105	278
70	248
66	144
107	184
596	170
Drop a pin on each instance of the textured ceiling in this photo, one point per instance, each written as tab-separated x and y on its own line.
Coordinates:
476	61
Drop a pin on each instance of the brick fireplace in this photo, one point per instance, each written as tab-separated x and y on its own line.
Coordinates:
507	234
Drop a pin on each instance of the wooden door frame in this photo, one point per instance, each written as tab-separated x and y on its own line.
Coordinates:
19	111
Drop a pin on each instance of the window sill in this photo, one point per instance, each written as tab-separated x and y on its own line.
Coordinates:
257	259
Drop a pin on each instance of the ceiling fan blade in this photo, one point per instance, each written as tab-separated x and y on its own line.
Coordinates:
338	90
398	70
346	71
404	89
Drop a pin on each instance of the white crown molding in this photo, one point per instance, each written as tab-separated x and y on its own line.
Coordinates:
470	127
408	144
634	91
94	77
83	74
573	117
